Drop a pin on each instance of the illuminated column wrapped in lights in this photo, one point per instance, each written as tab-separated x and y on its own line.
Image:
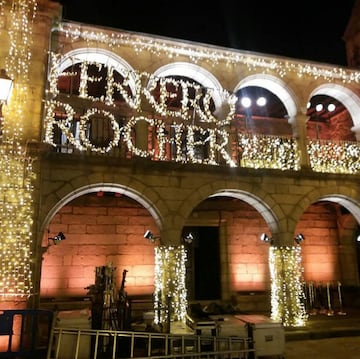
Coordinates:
15	223
16	210
287	295
170	287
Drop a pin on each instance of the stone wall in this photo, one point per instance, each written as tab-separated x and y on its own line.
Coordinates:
104	228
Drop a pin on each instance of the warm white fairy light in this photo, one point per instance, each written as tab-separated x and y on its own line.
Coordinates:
16	211
15	223
210	54
212	131
209	134
170	288
65	124
287	295
275	152
190	106
334	156
176	127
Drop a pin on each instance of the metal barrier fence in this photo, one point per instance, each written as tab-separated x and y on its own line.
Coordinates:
75	343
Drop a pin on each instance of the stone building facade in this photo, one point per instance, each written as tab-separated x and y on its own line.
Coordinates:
129	132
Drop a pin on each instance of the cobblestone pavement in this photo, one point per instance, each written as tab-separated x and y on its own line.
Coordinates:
328	348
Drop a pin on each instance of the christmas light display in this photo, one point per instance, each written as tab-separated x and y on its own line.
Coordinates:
189	128
274	152
334	156
170	295
209	54
287	294
210	133
16	211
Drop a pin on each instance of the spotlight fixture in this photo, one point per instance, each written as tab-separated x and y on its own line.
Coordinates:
189	238
331	107
246	102
148	235
58	238
261	101
265	238
319	107
299	238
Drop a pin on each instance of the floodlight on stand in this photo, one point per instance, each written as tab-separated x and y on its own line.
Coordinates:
148	235
299	238
58	238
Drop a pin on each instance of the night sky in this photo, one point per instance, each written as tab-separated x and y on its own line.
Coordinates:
308	30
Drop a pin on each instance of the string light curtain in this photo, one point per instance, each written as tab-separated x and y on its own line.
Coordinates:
170	298
287	294
16	174
334	156
264	151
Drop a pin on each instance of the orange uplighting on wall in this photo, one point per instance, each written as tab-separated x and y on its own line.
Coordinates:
320	250
94	238
320	267
251	277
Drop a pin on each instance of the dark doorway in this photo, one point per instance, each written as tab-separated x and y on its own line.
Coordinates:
203	264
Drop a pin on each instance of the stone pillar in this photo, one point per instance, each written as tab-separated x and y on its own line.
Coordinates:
170	299
287	296
298	124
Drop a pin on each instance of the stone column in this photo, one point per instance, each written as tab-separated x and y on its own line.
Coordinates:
287	296
298	124
170	300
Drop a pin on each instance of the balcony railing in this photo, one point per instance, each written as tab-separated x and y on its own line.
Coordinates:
160	141
264	151
334	156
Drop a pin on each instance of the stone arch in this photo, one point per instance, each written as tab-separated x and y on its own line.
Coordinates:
352	206
347	97
274	85
197	73
342	195
101	56
106	187
260	200
262	207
